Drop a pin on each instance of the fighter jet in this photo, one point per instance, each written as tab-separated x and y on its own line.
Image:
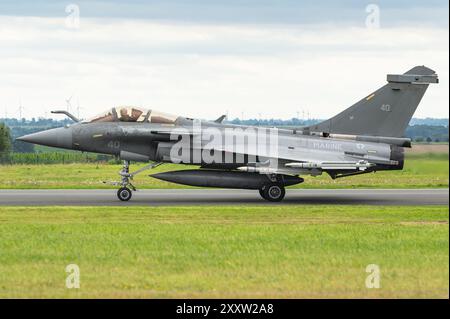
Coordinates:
366	137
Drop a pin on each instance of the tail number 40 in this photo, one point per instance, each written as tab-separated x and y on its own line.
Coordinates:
386	107
114	144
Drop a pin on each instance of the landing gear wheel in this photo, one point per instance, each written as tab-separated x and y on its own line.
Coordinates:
124	194
273	192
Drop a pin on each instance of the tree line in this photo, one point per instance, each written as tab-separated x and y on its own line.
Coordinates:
17	152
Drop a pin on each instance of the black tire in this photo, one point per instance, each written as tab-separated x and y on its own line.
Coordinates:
273	192
124	194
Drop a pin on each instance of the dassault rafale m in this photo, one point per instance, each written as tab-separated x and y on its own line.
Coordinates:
366	137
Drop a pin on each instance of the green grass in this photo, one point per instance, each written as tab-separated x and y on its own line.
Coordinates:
421	171
295	251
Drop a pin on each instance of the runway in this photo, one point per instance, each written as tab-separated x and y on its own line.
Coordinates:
177	197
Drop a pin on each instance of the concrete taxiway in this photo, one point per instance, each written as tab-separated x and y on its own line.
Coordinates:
176	197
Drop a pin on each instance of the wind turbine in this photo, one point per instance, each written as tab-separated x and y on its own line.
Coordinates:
20	109
68	103
78	108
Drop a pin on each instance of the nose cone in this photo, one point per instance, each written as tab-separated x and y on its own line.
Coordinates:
58	137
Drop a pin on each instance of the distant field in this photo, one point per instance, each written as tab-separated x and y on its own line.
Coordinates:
179	252
421	171
428	148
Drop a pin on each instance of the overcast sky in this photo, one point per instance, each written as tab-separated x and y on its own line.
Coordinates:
259	58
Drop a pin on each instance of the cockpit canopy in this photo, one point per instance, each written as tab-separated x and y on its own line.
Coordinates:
133	114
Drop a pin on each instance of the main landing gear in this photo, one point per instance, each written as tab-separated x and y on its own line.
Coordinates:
124	192
273	192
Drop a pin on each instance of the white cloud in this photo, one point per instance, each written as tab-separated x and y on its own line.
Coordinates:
204	70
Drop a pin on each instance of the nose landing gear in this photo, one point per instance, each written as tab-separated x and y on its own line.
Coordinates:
124	192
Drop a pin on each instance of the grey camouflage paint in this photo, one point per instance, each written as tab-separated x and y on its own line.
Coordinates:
368	134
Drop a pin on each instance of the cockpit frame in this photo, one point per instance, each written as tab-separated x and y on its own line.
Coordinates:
133	114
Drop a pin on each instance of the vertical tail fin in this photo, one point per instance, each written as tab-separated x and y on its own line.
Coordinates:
387	111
